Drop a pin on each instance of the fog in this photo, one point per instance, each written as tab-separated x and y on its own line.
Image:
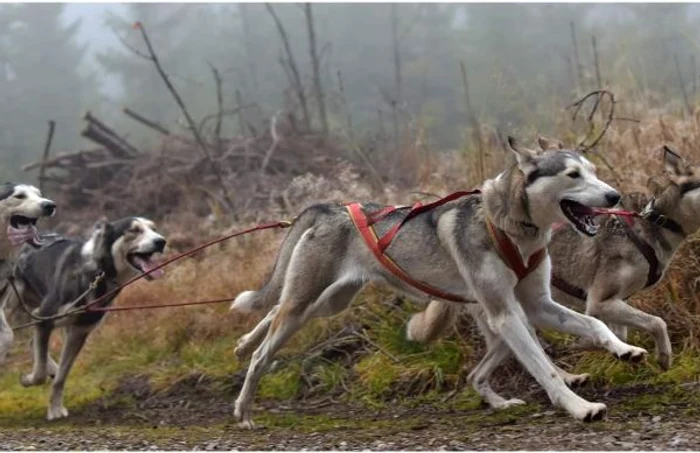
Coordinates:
393	62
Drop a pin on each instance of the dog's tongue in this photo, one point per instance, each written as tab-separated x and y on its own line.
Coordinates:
19	236
148	264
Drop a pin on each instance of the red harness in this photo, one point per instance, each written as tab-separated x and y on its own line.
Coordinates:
506	249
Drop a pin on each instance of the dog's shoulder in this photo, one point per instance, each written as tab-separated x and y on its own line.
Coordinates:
53	247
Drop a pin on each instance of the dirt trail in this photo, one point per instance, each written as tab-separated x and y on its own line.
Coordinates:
200	419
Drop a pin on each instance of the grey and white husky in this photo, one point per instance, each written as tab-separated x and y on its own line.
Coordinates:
50	278
323	263
610	267
21	206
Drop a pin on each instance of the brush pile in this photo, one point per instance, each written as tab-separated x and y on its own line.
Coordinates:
176	176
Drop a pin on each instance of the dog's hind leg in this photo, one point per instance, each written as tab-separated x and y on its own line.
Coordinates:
269	294
335	298
40	345
74	341
248	342
431	323
496	352
310	290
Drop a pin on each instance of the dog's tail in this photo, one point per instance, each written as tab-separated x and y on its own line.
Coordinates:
431	323
269	294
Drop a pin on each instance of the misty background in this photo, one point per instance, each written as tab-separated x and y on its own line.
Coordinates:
59	61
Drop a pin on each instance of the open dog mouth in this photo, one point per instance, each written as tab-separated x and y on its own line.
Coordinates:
23	229
144	262
580	216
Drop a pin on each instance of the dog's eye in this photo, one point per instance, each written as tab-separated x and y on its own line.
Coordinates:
20	196
135	230
574	174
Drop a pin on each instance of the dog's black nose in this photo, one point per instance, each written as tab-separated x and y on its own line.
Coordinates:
159	244
612	198
49	207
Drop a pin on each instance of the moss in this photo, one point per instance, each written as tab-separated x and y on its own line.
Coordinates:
283	384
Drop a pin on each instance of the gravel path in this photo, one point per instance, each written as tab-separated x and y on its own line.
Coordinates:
201	420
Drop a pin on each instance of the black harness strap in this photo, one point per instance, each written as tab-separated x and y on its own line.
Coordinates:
566	287
654	274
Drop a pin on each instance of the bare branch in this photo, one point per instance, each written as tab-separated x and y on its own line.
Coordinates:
191	124
132	49
47	149
599	95
220	107
320	98
296	78
152	124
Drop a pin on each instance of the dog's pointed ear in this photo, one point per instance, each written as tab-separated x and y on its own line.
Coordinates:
549	143
673	163
523	156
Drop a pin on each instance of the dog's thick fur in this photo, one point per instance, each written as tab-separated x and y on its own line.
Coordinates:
51	277
609	266
21	206
323	263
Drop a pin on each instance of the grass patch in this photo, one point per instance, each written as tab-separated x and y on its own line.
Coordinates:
283	384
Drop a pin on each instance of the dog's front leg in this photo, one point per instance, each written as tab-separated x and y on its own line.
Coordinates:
7	336
619	312
40	345
545	313
493	285
74	341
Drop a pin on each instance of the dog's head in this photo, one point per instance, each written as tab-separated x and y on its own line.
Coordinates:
21	206
677	191
125	248
561	186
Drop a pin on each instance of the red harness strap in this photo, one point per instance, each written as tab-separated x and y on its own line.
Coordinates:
511	256
506	249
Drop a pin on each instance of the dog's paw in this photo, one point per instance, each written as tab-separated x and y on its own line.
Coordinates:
577	380
664	361
244	420
590	412
505	404
29	380
247	424
56	412
633	354
242	350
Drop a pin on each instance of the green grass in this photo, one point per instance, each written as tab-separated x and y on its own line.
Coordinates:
391	371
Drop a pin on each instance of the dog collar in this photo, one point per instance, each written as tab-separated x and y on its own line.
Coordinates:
650	215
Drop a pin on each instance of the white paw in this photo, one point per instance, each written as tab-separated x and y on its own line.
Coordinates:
244	420
56	412
590	412
664	361
29	380
577	380
505	404
241	350
246	424
632	354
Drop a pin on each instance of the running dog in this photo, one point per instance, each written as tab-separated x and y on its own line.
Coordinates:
21	206
615	264
324	262
63	270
